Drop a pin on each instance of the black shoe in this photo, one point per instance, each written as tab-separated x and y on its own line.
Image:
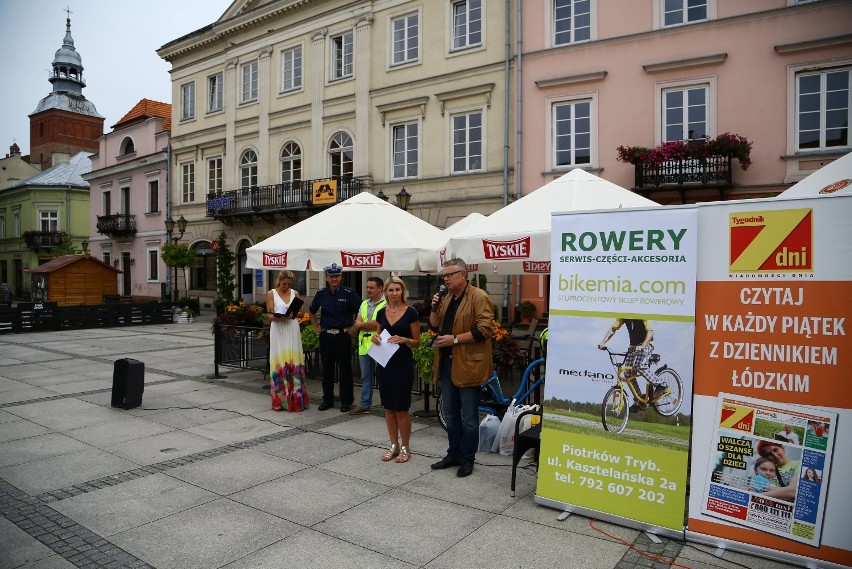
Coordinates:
658	391
465	469
345	408
324	406
445	462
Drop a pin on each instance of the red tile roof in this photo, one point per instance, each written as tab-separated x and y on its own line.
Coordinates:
145	109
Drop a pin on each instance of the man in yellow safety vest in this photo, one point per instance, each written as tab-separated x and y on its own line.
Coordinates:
365	325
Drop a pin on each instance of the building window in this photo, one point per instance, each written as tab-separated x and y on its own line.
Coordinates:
215	93
406	39
153	265
107	203
16	222
127	147
203	274
291	163
685	113
342	56
187	101
214	175
248	169
153	196
125	200
678	12
467	24
3	226
106	258
341	152
291	69
405	150
49	220
823	109
572	133
467	142
572	21
187	182
249	82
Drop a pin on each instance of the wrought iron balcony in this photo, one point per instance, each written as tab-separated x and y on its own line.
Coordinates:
682	175
288	198
43	240
119	226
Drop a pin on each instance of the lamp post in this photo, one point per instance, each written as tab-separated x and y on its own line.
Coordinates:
170	227
403	198
381	195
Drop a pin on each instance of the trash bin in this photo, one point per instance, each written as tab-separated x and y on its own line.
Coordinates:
128	382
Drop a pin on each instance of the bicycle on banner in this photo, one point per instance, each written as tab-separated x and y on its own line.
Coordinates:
620	401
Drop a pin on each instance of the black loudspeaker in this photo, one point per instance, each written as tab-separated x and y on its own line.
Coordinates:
128	382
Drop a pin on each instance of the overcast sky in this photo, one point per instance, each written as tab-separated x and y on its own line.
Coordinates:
117	41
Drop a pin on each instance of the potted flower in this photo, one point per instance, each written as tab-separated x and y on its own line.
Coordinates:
424	356
526	309
727	144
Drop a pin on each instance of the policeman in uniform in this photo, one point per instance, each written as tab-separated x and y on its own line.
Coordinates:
337	306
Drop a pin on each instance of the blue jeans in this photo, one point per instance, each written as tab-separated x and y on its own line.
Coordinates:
461	410
368	368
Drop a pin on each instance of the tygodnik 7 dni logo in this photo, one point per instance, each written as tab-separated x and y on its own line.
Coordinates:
771	241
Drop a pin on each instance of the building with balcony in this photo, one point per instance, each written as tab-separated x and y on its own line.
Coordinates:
598	75
42	217
128	199
278	101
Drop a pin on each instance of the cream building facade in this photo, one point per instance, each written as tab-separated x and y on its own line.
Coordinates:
375	95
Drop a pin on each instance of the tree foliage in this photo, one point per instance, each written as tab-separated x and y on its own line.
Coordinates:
225	283
178	256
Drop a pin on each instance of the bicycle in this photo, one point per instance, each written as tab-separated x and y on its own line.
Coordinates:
493	401
615	409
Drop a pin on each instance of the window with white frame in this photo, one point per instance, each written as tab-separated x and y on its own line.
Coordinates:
467	142
406	39
153	265
153	196
406	146
248	93
684	113
678	12
187	101
291	69
572	133
341	152
342	58
3	225
187	182
248	169
107	203
823	109
291	163
572	21
215	93
467	24
49	220
16	224
214	175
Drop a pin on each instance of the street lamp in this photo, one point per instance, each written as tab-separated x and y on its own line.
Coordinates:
170	227
381	195
403	198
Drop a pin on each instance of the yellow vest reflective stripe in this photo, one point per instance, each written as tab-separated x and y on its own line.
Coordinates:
364	336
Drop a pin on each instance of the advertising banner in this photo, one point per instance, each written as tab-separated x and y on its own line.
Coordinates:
774	307
615	435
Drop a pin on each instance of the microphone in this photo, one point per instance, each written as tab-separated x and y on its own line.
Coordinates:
442	291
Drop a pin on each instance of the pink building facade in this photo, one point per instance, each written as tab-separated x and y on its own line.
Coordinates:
596	75
128	201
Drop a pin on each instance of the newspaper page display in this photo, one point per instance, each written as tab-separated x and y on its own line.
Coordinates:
771	467
773	326
620	279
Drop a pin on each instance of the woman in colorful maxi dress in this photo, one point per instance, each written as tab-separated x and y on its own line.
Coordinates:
286	357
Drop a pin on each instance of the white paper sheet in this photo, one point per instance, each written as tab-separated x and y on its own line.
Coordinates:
382	353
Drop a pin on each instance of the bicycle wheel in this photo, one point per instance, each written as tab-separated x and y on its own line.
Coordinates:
615	410
668	404
439	408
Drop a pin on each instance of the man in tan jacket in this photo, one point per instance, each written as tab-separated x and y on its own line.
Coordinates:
463	319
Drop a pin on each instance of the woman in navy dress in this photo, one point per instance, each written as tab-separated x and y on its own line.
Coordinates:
397	378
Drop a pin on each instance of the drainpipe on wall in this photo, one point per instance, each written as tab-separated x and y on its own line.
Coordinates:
518	117
506	102
168	151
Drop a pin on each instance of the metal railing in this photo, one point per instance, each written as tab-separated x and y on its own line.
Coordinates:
286	196
37	317
117	226
711	171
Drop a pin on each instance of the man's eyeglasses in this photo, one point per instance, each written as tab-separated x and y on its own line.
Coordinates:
448	275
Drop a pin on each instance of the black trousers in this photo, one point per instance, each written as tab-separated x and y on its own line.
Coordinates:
336	351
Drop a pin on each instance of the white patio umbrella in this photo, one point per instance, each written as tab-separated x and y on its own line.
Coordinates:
361	233
516	239
455	229
835	178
